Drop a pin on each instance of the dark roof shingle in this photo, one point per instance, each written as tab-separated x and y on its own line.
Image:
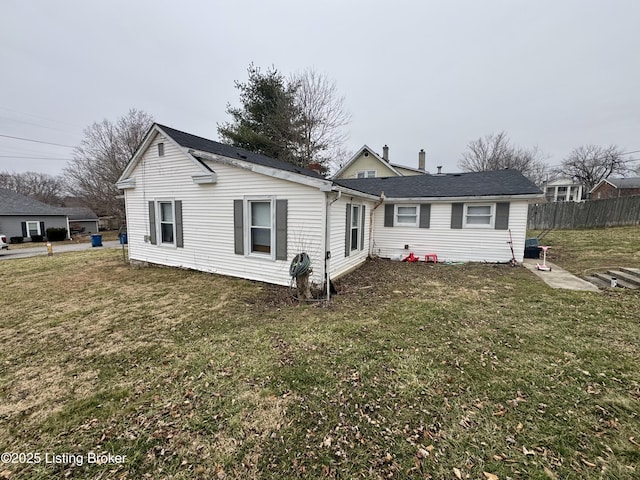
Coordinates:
12	203
198	143
471	184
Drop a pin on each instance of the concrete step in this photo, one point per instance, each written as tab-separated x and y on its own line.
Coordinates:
626	276
631	271
597	281
606	277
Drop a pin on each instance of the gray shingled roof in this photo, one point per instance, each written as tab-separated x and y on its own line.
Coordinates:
474	184
12	203
198	143
630	182
80	213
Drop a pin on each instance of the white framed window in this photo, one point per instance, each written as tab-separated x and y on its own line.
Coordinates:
33	229
356	225
478	216
259	227
406	216
167	223
365	174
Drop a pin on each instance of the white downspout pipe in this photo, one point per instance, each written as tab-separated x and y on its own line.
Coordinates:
327	243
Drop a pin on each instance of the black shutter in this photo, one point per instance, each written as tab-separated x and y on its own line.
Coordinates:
364	222
425	215
152	223
347	232
24	228
502	216
389	210
179	238
457	212
281	229
43	232
238	227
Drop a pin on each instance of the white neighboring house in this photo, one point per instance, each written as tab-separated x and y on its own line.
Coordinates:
564	190
203	205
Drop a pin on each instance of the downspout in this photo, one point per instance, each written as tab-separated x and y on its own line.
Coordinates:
371	222
327	243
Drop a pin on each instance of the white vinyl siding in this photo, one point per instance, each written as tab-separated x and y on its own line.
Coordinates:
208	217
463	244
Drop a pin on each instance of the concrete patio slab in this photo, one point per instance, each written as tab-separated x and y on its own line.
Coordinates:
559	277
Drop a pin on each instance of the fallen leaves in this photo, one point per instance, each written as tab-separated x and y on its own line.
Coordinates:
490	476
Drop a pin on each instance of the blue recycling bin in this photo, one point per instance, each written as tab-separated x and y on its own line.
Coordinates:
96	240
123	238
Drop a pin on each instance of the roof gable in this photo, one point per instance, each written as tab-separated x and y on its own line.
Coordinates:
194	147
358	154
471	184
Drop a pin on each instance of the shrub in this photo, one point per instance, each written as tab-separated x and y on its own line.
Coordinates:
56	234
37	238
16	239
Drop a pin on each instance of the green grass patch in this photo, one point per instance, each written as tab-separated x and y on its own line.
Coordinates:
413	371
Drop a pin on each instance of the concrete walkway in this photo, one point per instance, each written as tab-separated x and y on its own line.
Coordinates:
559	277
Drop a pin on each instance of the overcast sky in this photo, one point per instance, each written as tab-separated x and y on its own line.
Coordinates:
414	74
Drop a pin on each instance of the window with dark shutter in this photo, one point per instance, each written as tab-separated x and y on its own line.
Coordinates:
457	212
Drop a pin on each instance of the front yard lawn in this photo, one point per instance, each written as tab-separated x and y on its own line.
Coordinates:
413	371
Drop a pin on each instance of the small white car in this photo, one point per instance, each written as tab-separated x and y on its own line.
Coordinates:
3	242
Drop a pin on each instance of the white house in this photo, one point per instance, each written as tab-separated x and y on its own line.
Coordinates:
564	190
200	204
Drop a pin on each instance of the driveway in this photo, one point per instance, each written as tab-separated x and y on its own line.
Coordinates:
41	249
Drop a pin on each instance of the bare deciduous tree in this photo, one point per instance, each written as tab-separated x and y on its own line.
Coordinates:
41	186
591	163
323	118
495	152
100	159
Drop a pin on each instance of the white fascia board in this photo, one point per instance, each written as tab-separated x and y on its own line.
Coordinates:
123	184
353	193
205	178
322	185
485	198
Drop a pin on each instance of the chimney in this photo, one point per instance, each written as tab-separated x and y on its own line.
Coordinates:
422	160
385	153
439	169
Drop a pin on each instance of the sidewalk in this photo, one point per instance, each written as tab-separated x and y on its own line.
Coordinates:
41	249
559	277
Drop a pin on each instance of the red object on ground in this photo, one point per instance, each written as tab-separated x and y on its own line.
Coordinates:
431	256
411	258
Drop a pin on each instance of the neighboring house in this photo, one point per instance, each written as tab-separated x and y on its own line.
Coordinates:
367	164
82	220
564	190
615	187
22	216
199	204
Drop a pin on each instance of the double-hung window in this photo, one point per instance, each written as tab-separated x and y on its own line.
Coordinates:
406	215
260	226
478	216
365	174
33	229
355	226
167	223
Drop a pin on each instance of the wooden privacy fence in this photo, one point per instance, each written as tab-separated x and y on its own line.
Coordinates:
610	212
